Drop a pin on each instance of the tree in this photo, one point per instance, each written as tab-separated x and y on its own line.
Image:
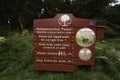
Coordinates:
64	19
20	13
113	14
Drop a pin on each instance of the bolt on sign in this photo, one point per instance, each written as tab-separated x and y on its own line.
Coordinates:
63	43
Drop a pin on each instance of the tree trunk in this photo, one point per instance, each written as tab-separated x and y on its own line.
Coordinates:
20	21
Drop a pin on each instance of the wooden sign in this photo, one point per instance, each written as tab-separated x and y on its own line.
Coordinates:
65	42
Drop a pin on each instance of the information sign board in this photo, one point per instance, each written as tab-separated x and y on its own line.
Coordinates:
65	42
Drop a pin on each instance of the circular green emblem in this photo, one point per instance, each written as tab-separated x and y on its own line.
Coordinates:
85	37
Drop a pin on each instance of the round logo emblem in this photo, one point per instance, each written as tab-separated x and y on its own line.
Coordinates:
85	37
85	54
64	20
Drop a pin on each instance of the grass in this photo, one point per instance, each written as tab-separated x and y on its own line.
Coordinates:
17	62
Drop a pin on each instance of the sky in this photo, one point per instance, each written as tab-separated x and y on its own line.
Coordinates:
113	4
118	2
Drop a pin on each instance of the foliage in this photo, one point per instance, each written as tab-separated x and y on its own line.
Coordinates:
107	56
17	62
2	39
16	53
20	13
112	14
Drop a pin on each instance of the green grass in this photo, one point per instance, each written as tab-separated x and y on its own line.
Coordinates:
17	62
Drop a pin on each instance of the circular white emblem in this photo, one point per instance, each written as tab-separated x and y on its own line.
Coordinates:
85	54
85	37
64	20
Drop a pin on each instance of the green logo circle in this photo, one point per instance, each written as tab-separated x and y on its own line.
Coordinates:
85	37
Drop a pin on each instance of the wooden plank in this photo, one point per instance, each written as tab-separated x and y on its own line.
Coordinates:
100	32
53	38
37	47
77	61
54	53
57	44
76	22
55	67
60	30
54	60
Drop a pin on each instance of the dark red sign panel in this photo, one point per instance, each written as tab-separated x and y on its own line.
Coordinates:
63	42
